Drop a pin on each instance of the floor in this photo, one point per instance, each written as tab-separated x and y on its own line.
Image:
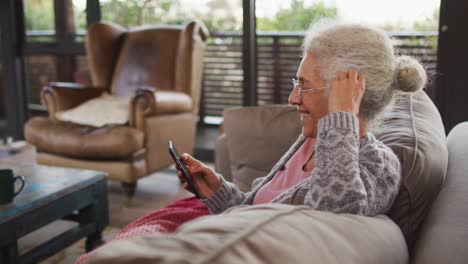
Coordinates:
154	192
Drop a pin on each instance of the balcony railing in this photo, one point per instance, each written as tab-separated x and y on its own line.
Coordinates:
278	57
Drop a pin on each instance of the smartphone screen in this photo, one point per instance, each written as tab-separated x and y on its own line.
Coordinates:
185	174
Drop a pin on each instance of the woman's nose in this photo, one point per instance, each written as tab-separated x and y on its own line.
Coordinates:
294	98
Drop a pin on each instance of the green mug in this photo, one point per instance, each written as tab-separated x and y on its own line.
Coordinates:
7	185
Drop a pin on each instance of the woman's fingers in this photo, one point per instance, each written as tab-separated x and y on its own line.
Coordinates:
181	177
189	160
361	81
343	76
346	92
198	169
361	85
193	165
205	179
359	91
352	74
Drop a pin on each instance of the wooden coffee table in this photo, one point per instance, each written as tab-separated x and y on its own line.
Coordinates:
53	193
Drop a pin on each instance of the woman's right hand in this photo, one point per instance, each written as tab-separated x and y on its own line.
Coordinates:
346	92
206	179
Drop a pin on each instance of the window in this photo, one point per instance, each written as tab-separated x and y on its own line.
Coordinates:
79	15
54	44
223	71
39	20
281	25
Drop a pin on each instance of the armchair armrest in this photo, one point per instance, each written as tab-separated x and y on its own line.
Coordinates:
141	105
60	96
172	102
147	102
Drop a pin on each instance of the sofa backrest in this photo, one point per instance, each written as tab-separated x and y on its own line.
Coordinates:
413	129
256	138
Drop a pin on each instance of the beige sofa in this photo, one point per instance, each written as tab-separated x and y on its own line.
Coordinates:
417	230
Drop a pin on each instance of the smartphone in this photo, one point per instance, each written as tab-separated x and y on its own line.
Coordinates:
185	173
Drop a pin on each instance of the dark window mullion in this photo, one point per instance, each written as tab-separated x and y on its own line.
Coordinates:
93	11
249	43
14	99
64	30
64	48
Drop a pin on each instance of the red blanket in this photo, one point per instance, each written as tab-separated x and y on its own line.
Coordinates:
164	220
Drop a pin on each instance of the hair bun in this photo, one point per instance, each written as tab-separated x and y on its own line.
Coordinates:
410	74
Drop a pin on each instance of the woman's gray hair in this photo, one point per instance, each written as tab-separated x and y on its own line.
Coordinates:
337	46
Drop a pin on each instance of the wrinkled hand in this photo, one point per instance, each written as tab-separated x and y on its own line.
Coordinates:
206	179
346	92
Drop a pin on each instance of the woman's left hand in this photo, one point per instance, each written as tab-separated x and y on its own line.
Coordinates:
346	92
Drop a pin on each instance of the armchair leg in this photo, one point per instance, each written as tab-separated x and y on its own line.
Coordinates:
129	188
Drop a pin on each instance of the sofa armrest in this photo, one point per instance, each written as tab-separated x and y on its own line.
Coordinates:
60	96
269	233
443	237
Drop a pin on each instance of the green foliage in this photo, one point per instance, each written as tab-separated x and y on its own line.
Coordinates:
296	18
429	23
80	17
220	15
39	15
130	13
394	27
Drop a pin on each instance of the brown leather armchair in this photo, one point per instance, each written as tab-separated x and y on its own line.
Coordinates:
160	69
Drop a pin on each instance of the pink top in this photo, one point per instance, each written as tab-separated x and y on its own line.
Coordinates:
290	176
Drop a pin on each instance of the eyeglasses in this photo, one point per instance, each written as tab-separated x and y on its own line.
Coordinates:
302	91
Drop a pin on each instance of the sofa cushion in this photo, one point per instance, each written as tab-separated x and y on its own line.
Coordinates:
253	152
270	233
83	142
413	129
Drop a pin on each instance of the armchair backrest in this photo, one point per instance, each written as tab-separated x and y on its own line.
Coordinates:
163	57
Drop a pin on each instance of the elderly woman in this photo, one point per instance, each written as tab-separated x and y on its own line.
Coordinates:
347	77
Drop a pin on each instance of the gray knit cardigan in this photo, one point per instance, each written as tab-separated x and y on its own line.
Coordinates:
350	175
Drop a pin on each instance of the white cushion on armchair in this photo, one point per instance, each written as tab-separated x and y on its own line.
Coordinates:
270	233
104	110
110	109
